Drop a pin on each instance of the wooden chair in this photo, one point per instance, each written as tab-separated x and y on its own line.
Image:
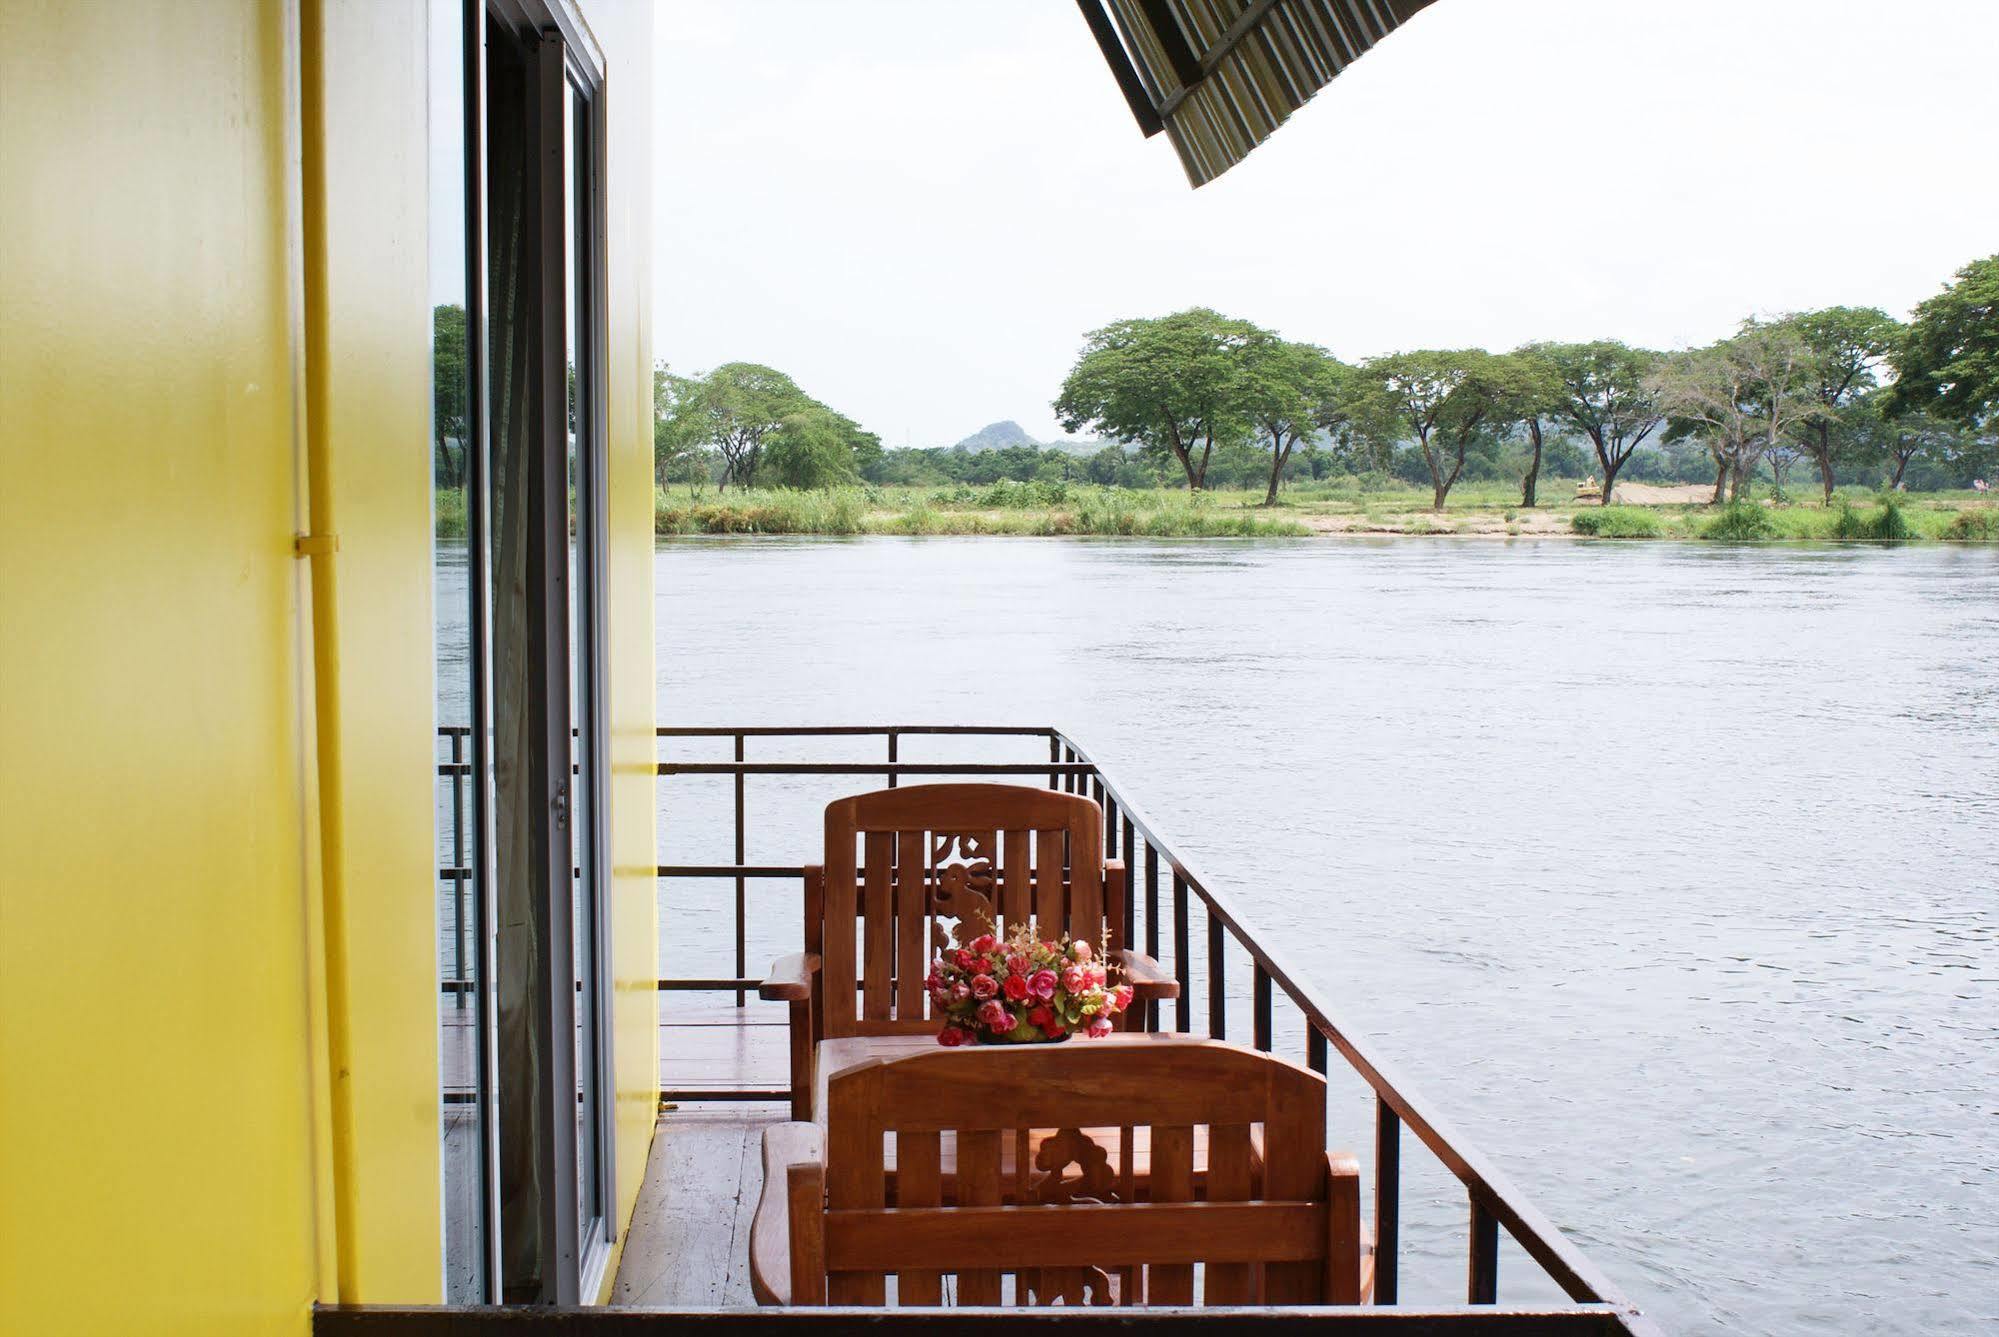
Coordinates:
1073	1227
901	864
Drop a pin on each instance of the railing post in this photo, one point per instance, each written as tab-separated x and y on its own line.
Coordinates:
1218	1003
1111	846
1261	995
1130	891
892	757
1183	1007
1151	925
1315	1048
459	874
1054	755
1387	1197
1482	1272
742	957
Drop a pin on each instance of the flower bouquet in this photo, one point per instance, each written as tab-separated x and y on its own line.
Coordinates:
1022	990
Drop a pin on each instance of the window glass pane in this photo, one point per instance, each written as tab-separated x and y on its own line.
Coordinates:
460	923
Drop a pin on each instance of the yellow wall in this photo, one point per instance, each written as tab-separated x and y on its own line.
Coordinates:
155	1107
218	1047
624	28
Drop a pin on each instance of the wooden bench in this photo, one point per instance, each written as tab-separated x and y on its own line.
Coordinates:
907	870
1065	1222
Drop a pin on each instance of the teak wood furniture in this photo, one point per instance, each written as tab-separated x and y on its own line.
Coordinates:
1070	1222
902	863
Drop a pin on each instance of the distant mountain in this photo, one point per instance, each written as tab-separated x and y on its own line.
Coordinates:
1000	435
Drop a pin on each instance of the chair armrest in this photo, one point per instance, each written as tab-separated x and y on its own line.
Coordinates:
794	1186
1147	978
790	979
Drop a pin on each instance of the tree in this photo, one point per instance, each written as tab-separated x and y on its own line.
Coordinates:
1172	384
1604	393
813	448
1288	388
734	409
675	458
1740	396
449	408
1445	398
1869	434
1543	400
1947	362
1846	345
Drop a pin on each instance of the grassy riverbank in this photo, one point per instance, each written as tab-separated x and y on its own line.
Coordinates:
1488	509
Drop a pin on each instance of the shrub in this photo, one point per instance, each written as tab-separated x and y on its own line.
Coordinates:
1889	524
1617	522
1974	525
450	512
1739	522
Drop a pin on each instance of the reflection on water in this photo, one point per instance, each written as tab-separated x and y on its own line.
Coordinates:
1668	871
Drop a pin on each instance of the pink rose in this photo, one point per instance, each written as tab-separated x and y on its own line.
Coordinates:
1043	984
1121	996
1015	988
935	977
984	986
1018	963
953	1036
963	959
961	992
982	965
1100	1026
1081	949
994	1016
985	943
1074	980
1096	974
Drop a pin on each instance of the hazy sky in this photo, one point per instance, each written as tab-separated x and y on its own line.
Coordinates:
919	207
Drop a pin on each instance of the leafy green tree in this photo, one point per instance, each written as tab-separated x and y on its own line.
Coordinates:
1740	397
675	458
734	409
1869	435
1603	392
449	405
1847	345
1171	385
1947	363
1286	388
812	448
1448	399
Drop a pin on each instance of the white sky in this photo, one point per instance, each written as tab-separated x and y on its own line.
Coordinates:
918	207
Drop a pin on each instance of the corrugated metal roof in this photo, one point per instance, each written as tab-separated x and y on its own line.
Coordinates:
1220	75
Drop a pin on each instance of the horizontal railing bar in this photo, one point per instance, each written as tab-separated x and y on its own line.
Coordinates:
722	984
757	1093
872	768
855	731
1564	1263
1257	1321
731	870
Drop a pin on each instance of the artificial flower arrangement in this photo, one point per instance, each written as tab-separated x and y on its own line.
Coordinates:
1023	990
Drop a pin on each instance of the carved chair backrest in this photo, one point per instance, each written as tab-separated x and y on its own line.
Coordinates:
908	868
1280	1230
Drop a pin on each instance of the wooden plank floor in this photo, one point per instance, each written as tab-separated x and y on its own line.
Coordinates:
689	1241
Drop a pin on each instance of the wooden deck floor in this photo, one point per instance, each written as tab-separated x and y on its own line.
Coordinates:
690	1234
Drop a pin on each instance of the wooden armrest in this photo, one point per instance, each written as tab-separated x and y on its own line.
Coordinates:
794	1182
1349	1261
1147	978
790	978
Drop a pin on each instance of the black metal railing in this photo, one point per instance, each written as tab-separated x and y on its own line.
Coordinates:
1167	892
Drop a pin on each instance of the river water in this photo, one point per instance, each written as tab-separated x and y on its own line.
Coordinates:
1669	872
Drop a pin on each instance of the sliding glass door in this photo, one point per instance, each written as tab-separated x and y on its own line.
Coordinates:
535	510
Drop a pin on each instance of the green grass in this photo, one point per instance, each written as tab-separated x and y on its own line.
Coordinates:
1618	522
1739	522
1355	504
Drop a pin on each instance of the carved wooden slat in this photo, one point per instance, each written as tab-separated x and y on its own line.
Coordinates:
1017	901
919	1182
978	1186
1086	882
1229	1181
1172	1181
1050	915
912	905
1294	1166
854	1178
837	964
879	918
